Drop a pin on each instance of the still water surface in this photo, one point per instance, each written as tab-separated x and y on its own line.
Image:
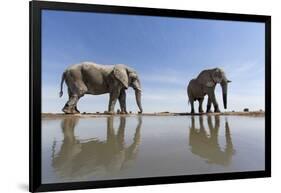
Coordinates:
86	149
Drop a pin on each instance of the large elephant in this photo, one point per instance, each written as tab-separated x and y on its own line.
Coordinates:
96	79
83	159
205	84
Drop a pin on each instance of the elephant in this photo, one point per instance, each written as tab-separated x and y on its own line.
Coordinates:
205	84
96	79
81	159
207	145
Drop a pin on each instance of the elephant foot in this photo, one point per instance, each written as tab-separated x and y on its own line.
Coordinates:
70	110
76	110
217	110
123	112
201	111
139	112
192	111
208	109
109	112
66	111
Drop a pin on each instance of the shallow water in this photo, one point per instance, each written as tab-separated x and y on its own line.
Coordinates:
86	149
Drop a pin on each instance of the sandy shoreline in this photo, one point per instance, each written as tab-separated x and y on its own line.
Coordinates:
96	115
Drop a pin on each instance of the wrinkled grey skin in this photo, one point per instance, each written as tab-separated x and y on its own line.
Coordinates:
96	79
78	159
204	142
205	84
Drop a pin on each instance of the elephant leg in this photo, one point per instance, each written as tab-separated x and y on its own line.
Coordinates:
200	110
216	106
192	105
81	90
113	96
75	91
212	97
215	103
69	107
217	110
122	101
75	107
209	105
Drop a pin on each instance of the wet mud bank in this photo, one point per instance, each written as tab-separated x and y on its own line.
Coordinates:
87	115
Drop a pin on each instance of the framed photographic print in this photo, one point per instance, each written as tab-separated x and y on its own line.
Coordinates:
125	96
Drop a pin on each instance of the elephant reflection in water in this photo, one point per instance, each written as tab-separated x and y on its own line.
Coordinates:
81	159
207	145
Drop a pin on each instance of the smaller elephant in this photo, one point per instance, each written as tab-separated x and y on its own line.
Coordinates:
205	84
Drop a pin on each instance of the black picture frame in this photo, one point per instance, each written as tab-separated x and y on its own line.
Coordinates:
36	7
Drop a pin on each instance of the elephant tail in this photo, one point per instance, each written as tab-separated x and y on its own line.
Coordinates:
61	84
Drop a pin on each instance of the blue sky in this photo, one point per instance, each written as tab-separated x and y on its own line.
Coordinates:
166	53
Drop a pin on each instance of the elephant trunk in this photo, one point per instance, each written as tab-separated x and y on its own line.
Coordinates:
224	93
138	99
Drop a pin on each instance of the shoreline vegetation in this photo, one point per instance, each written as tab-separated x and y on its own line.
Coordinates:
166	113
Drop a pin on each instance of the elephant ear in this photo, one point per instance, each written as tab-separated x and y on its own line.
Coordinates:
205	78
120	72
217	75
210	83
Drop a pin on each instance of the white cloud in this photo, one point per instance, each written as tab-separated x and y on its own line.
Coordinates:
167	76
243	69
